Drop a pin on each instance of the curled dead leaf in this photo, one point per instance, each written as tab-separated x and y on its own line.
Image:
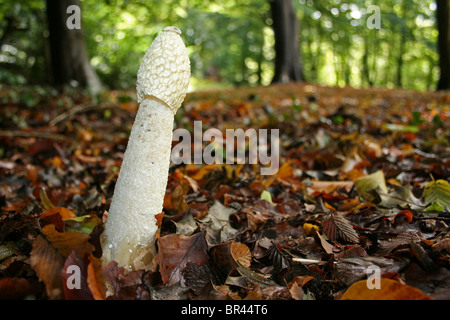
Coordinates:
241	254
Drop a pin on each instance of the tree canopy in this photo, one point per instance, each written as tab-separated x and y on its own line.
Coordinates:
232	42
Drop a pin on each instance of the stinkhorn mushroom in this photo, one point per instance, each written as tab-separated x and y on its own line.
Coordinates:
162	83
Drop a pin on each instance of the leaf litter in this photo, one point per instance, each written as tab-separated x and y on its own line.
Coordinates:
361	183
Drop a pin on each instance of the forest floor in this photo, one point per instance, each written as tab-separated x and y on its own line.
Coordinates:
361	198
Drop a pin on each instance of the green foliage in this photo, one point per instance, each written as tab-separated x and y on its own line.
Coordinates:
266	195
22	57
340	49
437	194
232	43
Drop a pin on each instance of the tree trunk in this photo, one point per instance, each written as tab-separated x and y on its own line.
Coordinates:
365	64
443	18
285	26
400	60
404	31
69	57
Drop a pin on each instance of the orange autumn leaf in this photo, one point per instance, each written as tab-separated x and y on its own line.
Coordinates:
159	219
286	171
205	170
241	254
389	290
65	242
300	281
408	215
330	186
63	212
94	278
176	200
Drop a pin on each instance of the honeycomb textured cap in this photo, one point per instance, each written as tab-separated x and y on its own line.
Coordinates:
165	70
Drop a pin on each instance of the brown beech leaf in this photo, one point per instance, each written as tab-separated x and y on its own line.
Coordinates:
441	245
260	213
218	221
351	251
95	278
66	242
280	260
112	274
389	290
224	292
241	254
178	197
300	281
296	292
222	259
329	186
48	263
63	212
197	278
328	247
199	210
176	251
273	292
124	285
56	216
337	226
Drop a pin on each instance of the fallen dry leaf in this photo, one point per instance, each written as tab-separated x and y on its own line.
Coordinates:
48	263
176	251
337	226
95	278
241	254
66	242
389	290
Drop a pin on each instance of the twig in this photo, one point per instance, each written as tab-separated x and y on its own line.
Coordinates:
310	261
306	261
73	111
34	134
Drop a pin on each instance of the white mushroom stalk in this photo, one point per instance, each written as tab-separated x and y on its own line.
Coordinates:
162	83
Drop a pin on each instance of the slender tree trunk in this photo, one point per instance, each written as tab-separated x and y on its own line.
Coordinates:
260	62
365	64
431	64
244	56
285	26
403	38
400	60
69	57
346	67
315	58
443	18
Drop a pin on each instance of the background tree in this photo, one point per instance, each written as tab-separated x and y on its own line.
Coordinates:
232	43
285	26
68	54
443	18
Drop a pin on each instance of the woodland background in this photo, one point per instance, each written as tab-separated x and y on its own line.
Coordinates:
231	43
